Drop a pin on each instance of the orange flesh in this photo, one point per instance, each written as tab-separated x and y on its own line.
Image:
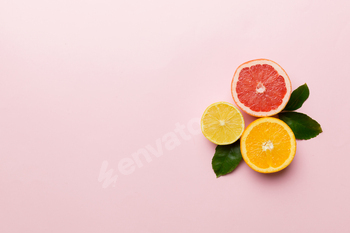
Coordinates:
267	145
261	88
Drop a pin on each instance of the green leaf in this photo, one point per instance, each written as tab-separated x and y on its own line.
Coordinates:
303	126
226	158
297	98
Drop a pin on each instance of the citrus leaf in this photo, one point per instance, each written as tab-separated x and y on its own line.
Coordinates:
297	98
226	158
303	126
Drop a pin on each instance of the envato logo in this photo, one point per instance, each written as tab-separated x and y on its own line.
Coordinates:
169	141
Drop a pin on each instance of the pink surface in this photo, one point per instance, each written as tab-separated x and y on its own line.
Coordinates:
86	84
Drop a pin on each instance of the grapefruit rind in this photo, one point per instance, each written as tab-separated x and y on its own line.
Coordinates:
280	71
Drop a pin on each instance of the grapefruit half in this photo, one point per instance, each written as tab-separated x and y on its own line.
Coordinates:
261	87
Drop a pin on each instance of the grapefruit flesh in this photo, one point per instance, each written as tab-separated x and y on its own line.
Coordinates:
261	87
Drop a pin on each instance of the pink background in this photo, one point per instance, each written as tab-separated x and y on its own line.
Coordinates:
83	82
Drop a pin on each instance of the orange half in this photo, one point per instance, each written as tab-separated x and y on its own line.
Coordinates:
268	145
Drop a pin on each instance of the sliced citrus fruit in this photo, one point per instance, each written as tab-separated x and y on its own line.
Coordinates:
261	87
268	145
222	123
